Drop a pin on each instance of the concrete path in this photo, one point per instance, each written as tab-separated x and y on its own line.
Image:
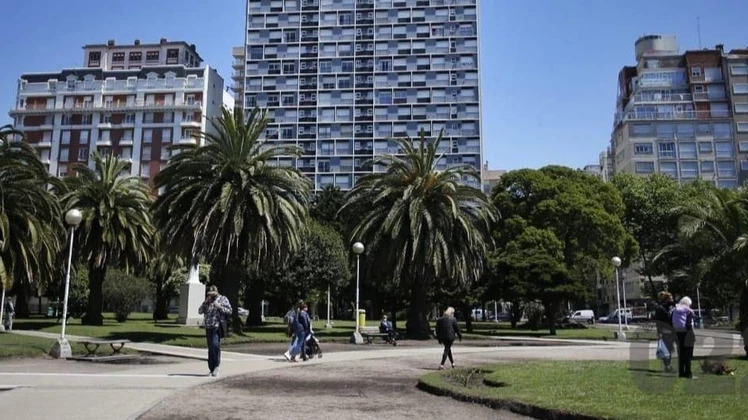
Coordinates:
40	388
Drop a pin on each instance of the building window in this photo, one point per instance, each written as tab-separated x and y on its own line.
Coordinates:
669	168
744	165
83	154
94	58
743	146
147	135
707	166
645	167
726	168
689	169
65	137
643	148
741	108
739	70
166	135
172	55
136	56
666	150
742	127
740	88
62	171
64	152
705	147
151	56
687	150
118	57
83	139
695	71
145	170
724	149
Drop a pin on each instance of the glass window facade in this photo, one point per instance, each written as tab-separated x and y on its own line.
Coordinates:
341	77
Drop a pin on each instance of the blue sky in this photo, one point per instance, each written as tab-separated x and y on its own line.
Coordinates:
549	67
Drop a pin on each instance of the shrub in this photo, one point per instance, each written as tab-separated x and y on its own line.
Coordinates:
122	291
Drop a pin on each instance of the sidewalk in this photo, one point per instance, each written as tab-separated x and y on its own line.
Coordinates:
63	389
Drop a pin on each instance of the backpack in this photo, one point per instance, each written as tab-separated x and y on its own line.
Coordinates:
289	319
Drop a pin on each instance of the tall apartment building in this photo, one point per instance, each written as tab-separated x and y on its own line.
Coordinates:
682	114
341	78
132	101
237	75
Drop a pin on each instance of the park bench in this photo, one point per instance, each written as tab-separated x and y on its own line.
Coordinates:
93	345
371	333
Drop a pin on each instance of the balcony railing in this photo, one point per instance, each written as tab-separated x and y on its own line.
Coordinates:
683	115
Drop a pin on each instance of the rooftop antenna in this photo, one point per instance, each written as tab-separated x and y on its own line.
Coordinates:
698	30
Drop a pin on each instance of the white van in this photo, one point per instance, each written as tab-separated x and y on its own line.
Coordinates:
583	315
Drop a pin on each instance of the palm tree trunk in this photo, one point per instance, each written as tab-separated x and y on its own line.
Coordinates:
93	314
418	325
21	290
253	298
550	315
161	311
468	311
231	275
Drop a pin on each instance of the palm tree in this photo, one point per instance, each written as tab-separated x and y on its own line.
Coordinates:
30	218
116	227
722	217
421	224
227	203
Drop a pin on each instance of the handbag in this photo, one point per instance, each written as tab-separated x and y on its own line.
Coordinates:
662	350
223	327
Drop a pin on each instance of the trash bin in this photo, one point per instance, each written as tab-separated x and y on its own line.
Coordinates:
362	317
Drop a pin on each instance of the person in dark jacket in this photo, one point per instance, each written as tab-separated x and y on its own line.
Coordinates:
446	330
664	322
683	325
302	328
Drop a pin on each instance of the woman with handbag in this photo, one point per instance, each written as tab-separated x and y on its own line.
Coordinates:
665	333
215	309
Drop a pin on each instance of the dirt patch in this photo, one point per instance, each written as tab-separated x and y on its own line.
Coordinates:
350	390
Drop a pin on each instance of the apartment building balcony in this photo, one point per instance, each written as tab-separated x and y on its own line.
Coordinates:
125	141
104	142
188	140
190	123
42	144
31	109
682	115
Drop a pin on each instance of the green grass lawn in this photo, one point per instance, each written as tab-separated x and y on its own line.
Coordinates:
14	345
141	327
607	389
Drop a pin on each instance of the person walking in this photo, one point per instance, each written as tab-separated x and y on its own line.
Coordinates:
683	326
10	313
215	309
446	330
302	329
290	318
664	321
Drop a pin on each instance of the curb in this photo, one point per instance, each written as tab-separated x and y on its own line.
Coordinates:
498	403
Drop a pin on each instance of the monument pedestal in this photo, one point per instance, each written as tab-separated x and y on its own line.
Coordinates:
191	296
356	338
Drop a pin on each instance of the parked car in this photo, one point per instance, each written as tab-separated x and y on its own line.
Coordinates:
583	315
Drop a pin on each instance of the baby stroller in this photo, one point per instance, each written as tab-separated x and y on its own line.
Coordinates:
311	347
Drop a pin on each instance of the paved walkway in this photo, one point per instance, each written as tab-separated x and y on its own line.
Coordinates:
40	388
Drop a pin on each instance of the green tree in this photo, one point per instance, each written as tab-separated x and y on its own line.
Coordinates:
116	229
322	260
31	231
122	291
227	203
160	271
422	224
714	230
650	215
566	222
325	206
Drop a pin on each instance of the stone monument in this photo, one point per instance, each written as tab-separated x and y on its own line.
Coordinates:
191	296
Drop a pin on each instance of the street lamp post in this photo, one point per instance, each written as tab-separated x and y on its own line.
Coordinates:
625	304
61	348
617	263
358	249
328	325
